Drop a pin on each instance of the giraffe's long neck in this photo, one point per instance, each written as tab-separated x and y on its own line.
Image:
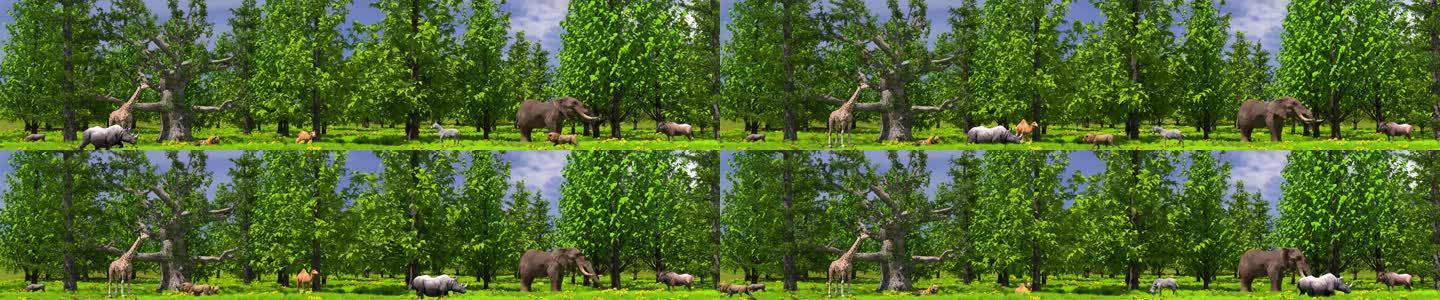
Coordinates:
851	103
853	247
128	253
133	97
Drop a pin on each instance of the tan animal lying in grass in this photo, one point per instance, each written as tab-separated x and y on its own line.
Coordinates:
1022	289
732	289
932	290
212	140
1098	139
304	137
933	140
557	138
199	289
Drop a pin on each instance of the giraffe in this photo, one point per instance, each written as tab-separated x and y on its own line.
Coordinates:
840	268
120	269
841	119
122	116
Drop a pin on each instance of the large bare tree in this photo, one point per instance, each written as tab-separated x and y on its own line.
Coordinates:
174	53
889	217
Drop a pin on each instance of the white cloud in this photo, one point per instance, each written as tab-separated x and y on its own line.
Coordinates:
538	18
1259	169
538	169
1260	19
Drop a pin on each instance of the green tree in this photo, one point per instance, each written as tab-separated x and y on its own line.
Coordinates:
1327	190
242	44
33	227
1201	211
1020	58
1427	31
300	44
963	40
43	66
293	213
1127	209
963	193
483	68
1203	66
1251	217
608	203
418	37
243	193
1005	211
1137	38
480	209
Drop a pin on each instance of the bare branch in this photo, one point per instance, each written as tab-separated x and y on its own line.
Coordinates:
210	109
948	254
148	256
865	256
227	254
862	106
947	105
165	47
884	46
159	191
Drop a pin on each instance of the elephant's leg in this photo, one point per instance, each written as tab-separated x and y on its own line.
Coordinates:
1276	277
524	134
525	283
1245	283
555	282
1245	134
1275	132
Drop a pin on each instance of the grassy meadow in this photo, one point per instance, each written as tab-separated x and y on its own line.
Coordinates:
1063	137
349	287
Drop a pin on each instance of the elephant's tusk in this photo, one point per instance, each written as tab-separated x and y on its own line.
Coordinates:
587	118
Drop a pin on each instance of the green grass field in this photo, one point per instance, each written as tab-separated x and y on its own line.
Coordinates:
1068	287
1066	137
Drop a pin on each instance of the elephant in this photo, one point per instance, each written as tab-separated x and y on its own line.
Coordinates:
549	115
1270	114
1270	263
552	264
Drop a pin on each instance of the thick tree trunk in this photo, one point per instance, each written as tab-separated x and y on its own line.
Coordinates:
247	122
283	278
789	201
715	230
68	111
615	113
282	127
67	199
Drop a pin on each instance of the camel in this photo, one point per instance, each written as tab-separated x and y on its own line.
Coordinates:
840	268
303	279
842	118
120	269
123	115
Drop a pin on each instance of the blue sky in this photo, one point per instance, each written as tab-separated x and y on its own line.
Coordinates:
541	18
1259	169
